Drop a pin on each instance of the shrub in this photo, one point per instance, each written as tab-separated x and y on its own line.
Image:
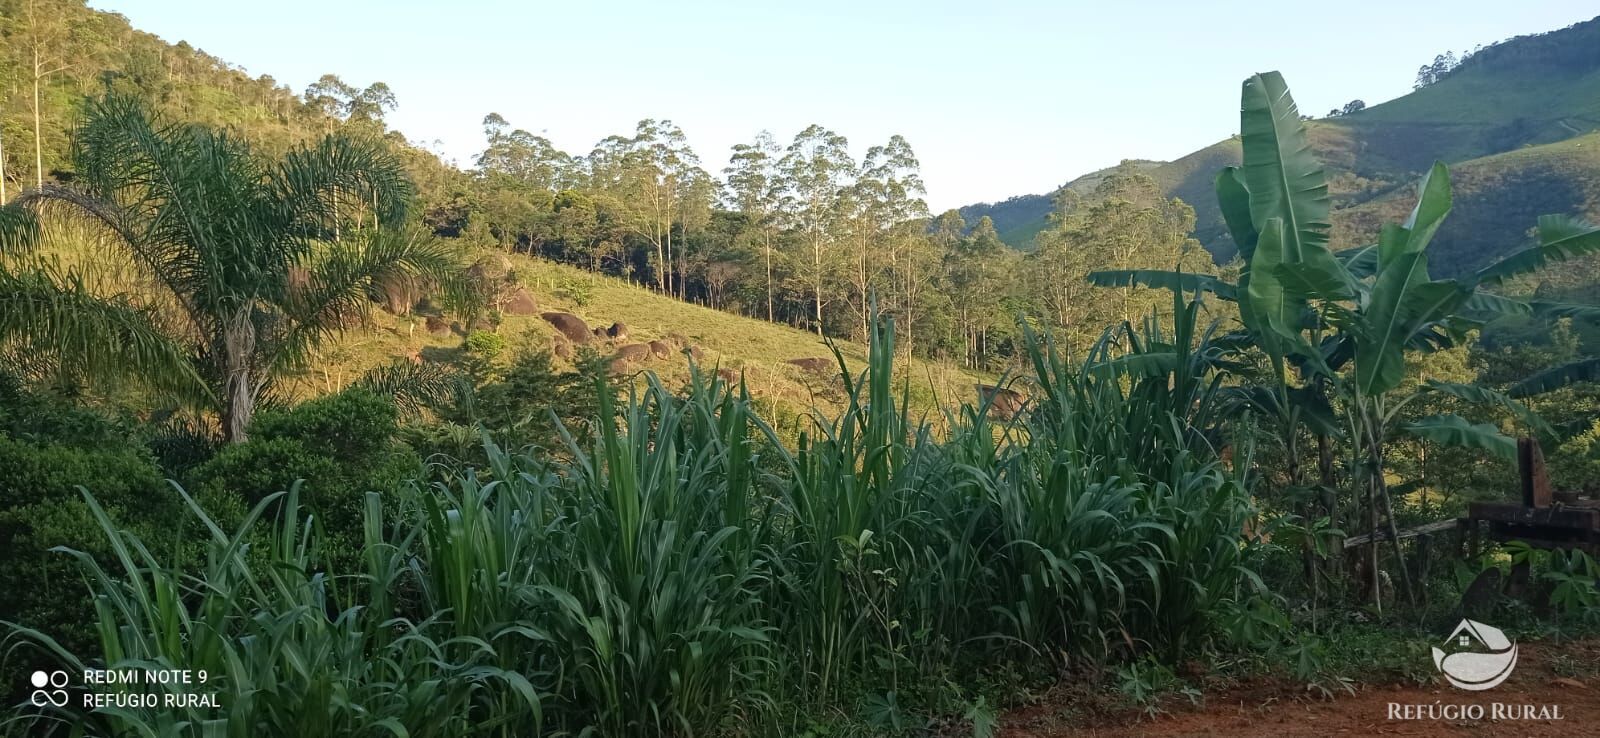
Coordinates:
342	445
518	406
49	449
580	290
485	344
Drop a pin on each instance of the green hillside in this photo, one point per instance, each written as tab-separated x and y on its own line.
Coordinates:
754	349
1516	97
1497	200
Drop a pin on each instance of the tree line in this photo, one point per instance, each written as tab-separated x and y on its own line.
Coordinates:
804	233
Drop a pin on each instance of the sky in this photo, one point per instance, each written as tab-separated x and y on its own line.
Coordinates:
997	98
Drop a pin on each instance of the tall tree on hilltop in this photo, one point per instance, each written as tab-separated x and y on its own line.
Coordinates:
48	33
816	171
755	189
974	275
238	245
331	97
524	157
890	184
1127	223
649	176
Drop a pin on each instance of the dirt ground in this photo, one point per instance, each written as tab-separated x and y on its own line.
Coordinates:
1284	710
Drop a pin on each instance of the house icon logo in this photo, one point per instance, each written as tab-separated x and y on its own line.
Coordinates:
1485	666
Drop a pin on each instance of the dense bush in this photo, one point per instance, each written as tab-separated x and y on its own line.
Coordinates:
342	445
49	449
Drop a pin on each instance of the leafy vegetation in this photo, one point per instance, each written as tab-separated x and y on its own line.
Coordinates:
321	442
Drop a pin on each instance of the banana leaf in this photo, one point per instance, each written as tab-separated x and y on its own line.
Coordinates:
1554	378
1234	202
1561	237
1453	430
1488	306
1359	262
1162	279
1563	310
1284	178
1484	396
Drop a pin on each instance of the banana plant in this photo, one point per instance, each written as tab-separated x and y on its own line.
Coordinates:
1346	320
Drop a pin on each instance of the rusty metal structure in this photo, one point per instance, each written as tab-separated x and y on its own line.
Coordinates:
1543	519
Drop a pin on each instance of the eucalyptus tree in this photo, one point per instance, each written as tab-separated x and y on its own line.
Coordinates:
523	157
816	171
889	218
1344	321
653	178
976	270
754	188
1125	222
240	248
336	99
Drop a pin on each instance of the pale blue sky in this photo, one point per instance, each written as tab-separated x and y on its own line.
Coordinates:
997	98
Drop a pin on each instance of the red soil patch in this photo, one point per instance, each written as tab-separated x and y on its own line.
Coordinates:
1284	710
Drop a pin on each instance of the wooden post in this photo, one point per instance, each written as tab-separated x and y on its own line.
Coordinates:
1535	481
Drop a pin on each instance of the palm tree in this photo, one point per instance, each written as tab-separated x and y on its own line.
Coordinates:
255	261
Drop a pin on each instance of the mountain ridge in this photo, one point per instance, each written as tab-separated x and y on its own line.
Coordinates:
1524	93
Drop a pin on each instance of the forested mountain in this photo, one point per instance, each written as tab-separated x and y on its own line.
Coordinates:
1512	98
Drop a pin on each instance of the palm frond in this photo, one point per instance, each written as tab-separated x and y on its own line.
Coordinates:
1554	378
414	386
342	277
312	182
100	336
19	229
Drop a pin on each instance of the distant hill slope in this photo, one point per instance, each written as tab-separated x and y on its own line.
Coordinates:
752	348
1531	91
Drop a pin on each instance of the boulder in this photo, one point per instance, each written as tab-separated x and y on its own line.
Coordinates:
815	364
618	331
397	293
628	355
570	326
1004	403
521	303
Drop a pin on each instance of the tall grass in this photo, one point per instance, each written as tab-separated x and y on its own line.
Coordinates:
681	572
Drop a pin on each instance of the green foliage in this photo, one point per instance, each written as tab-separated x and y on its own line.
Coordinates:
343	446
49	449
658	576
525	403
486	344
261	262
579	290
